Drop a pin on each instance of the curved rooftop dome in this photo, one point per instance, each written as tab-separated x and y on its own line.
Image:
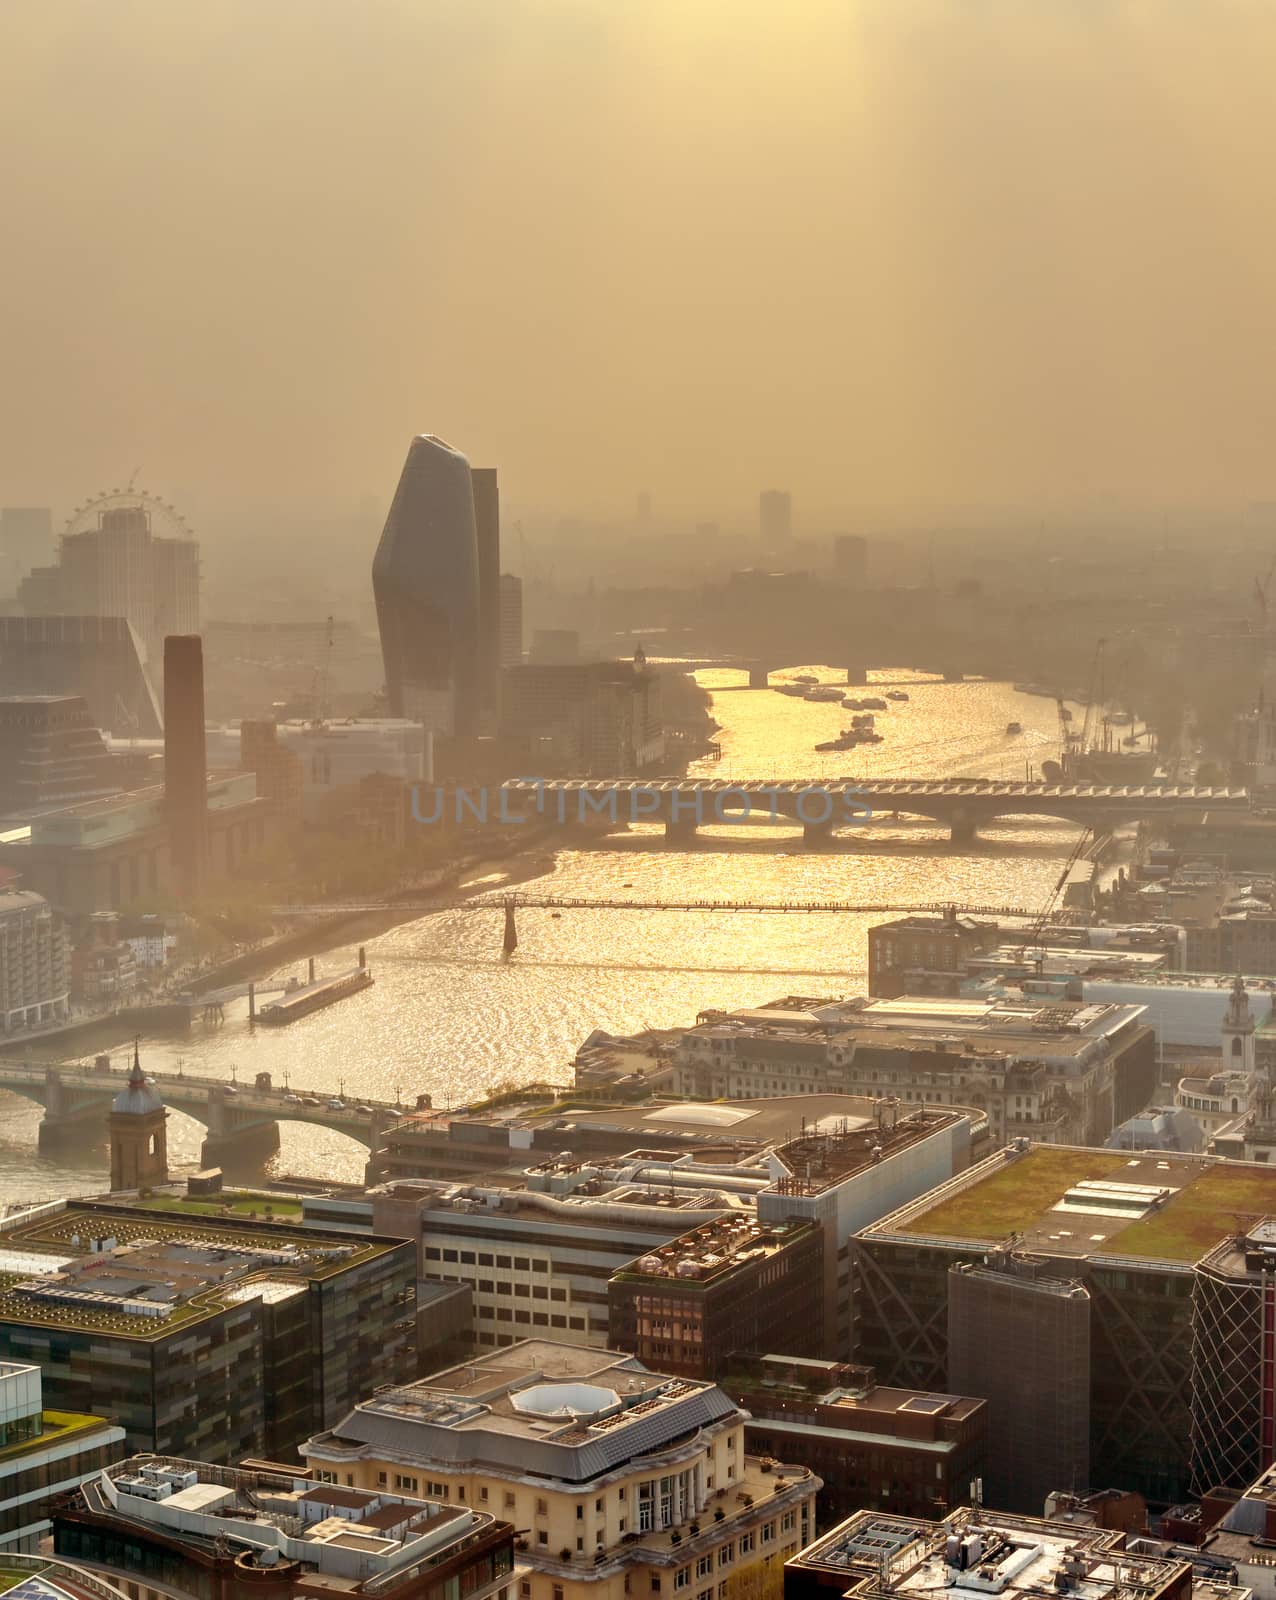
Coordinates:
139	1095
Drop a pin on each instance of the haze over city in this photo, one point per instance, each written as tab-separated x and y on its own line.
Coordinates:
637	800
915	260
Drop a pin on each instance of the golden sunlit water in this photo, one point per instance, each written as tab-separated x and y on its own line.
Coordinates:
449	1014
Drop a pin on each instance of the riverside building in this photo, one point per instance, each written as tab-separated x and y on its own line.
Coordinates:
1059	1072
622	1480
35	962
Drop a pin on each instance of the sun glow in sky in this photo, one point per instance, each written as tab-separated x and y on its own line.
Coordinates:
907	253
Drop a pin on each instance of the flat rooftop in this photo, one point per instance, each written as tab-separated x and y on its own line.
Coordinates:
998	1554
346	1533
830	1150
716	1250
746	1122
137	1273
1064	1200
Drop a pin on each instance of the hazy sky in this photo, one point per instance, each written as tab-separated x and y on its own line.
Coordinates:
891	253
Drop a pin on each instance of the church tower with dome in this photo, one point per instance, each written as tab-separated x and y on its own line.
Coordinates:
139	1136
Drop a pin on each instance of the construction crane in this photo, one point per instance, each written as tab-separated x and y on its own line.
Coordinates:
1032	939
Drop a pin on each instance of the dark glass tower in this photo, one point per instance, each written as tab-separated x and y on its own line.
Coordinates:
487	525
425	579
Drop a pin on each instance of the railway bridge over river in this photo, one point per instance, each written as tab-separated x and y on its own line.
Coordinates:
826	805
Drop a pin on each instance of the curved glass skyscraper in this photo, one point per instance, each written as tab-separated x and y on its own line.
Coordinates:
425	579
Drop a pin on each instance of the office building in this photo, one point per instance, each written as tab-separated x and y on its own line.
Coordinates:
1130	1229
850	557
319	765
538	1253
511	620
921	954
896	1450
953	954
51	755
104	855
1243	1535
26	541
202	1336
279	771
594	718
425	580
185	764
99	658
1020	1336
35	965
775	516
164	1526
727	1288
539	1242
974	1552
43	1454
1061	1072
487	528
1233	1383
122	568
621	1480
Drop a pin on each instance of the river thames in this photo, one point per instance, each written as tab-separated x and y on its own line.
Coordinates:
449	1014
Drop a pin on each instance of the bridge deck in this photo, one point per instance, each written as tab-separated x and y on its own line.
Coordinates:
992	788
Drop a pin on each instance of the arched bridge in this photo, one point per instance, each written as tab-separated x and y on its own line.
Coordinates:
823	806
240	1118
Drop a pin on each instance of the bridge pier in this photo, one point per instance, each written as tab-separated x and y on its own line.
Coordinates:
962	828
681	831
759	675
510	941
73	1129
817	835
231	1140
857	672
249	1146
70	1117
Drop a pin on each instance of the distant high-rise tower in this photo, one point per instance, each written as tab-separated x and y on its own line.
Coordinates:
120	565
487	527
26	541
511	620
139	1134
850	557
775	515
185	762
425	580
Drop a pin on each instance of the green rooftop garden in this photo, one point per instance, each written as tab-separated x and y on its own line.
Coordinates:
1223	1200
58	1425
1013	1199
